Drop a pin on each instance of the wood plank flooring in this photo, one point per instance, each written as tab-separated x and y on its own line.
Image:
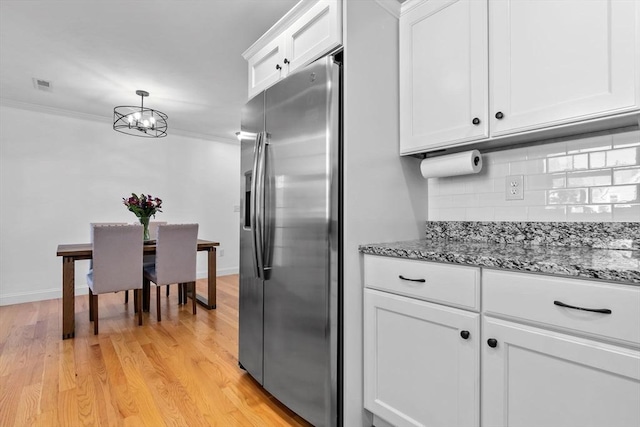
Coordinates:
182	371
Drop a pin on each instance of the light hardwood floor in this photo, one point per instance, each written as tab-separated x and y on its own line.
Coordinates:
182	371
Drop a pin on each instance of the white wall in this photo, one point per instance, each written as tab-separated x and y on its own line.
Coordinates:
593	177
59	173
384	194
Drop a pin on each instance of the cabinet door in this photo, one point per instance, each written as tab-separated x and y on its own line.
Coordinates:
418	370
555	62
315	33
266	67
534	377
443	74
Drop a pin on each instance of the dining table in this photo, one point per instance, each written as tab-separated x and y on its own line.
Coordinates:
71	253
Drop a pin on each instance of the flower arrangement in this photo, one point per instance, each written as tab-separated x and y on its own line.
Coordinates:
143	206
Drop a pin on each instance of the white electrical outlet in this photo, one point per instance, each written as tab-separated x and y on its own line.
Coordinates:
514	187
221	252
236	208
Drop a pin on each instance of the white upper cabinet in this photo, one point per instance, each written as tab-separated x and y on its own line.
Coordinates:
521	67
554	62
443	74
310	30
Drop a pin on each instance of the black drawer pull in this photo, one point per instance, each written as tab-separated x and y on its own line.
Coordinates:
594	310
412	280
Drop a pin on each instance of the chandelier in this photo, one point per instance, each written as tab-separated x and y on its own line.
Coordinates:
140	121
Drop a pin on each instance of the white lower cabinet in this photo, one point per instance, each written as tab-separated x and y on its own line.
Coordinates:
535	377
421	361
553	352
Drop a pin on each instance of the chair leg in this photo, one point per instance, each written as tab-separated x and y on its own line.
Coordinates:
158	302
90	305
95	314
183	291
167	291
146	294
193	296
137	297
136	302
126	297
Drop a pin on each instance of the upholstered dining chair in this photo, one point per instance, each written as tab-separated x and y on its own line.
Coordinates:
93	224
117	263
176	249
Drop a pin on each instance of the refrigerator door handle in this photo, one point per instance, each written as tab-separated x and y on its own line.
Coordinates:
257	189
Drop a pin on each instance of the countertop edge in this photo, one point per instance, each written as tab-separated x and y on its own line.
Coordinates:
514	264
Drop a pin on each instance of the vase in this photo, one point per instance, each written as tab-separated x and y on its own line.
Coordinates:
144	220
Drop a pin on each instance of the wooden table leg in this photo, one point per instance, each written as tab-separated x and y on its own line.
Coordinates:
68	297
210	302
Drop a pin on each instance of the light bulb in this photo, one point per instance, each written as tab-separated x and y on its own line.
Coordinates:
152	120
130	118
136	115
146	123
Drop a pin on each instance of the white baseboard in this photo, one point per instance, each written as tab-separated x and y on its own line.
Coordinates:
53	293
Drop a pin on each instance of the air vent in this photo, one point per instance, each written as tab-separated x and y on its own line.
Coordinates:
43	85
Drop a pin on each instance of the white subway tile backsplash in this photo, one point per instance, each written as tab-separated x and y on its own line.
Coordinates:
589	213
589	178
439	202
626	176
573	196
466	200
615	194
492	199
545	181
506	156
581	161
626	212
597	160
452	214
548	213
506	213
592	178
603	141
526	167
535	197
547	150
481	214
558	164
497	169
623	157
626	139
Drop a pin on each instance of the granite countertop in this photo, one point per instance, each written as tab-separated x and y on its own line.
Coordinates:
586	261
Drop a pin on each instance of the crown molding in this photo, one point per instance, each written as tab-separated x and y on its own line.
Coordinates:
391	6
108	120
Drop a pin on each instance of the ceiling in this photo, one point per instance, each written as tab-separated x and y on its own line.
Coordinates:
97	53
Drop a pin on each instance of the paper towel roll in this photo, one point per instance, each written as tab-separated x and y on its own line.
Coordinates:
454	164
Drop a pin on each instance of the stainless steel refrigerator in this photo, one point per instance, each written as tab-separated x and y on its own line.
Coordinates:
290	241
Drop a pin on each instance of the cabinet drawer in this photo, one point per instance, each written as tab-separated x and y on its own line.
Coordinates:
443	283
535	297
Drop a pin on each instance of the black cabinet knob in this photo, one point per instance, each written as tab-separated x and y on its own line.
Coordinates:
476	121
499	115
286	61
278	67
465	334
493	343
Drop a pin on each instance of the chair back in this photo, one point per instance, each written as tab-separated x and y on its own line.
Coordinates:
117	258
93	224
176	250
